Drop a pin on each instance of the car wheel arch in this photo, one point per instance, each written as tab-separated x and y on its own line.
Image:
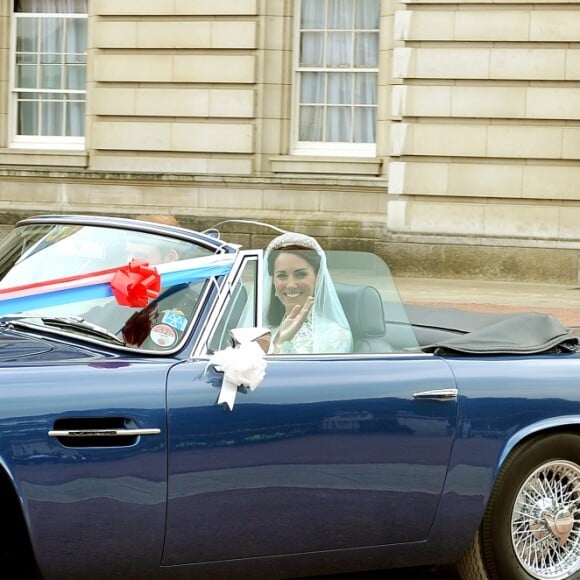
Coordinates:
540	429
483	560
17	547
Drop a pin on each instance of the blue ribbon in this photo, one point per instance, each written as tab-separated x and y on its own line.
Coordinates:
101	290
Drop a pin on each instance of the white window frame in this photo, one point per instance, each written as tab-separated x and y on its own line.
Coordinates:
322	148
44	142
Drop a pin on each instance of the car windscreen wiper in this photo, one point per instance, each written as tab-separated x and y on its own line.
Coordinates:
83	326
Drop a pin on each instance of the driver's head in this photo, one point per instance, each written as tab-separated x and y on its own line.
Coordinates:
155	252
166	219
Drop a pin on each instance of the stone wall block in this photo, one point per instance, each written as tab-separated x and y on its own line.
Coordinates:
526	220
488	101
571	143
555	26
214	68
136	136
485	180
553	182
126	68
171	7
528	63
548	103
214	137
540	142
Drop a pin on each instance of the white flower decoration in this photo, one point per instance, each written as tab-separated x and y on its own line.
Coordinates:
242	365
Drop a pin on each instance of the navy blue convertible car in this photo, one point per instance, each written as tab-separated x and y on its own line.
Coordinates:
154	424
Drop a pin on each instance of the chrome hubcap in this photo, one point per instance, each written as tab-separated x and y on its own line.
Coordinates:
545	523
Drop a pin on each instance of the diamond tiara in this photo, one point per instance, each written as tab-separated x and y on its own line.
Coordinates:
294	239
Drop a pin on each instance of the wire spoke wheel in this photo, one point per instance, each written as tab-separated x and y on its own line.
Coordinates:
545	521
531	526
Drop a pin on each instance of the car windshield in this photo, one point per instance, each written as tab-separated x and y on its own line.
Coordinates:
34	254
368	295
355	270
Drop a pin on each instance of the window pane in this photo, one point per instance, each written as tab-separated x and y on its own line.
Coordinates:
365	91
75	119
311	123
50	77
312	14
338	121
312	49
49	6
366	49
367	14
26	76
312	88
52	118
75	77
27	116
364	125
340	88
26	34
240	311
52	33
340	14
339	50
76	36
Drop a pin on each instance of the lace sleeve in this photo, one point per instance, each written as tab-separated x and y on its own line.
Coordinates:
335	339
329	337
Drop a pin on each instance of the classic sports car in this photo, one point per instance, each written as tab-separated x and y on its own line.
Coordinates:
146	435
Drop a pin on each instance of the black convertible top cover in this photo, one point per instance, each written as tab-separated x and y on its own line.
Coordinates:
525	333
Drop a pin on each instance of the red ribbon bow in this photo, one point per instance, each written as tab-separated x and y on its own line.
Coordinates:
134	285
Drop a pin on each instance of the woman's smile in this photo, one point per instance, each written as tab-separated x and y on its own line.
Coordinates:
292	295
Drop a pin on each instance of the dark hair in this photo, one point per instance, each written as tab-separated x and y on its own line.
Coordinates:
275	311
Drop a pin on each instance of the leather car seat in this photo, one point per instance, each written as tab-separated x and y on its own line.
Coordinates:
363	307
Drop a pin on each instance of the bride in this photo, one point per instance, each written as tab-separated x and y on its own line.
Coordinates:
303	311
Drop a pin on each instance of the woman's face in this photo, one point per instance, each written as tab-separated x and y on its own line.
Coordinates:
294	280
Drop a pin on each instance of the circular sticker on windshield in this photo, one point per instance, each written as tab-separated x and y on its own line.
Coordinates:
163	335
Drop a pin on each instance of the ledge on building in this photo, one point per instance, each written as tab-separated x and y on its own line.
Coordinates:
42	158
326	165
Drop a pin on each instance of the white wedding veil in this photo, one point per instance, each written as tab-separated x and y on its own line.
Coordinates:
326	309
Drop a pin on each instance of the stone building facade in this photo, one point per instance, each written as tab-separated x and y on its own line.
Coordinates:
192	109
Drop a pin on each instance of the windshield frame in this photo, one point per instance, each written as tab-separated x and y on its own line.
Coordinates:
347	267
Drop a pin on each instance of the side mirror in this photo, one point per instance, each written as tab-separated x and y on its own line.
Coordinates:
262	336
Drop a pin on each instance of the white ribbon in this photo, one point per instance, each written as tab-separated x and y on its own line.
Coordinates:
243	364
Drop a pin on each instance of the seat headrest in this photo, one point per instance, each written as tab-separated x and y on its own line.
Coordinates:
363	307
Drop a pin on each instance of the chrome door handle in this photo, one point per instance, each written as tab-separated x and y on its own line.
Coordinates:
104	432
437	394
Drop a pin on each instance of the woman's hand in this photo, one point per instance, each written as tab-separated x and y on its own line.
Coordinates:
292	322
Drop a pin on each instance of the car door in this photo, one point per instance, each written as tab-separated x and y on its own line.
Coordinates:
87	451
329	452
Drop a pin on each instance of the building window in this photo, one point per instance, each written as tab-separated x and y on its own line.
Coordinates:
49	80
336	77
